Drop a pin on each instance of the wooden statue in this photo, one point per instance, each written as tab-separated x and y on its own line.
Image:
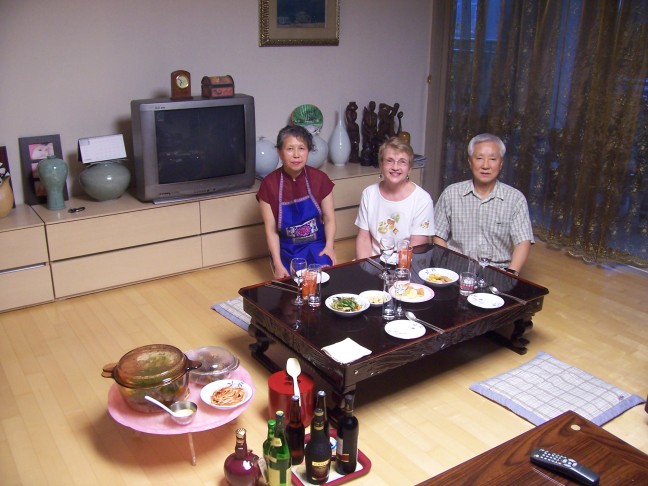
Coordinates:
350	115
369	135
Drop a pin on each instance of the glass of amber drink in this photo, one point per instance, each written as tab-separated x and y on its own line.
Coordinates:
311	290
404	254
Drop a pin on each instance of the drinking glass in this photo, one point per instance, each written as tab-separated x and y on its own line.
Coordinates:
297	268
400	287
404	254
388	306
387	245
484	257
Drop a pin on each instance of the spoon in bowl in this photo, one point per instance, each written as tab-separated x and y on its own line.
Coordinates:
293	368
493	289
182	412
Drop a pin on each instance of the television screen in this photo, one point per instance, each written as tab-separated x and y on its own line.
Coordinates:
187	140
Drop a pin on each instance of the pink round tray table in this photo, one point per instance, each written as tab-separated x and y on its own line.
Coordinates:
207	417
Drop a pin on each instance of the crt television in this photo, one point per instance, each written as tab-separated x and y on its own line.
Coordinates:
193	147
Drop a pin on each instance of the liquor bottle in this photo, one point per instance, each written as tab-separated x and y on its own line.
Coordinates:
320	402
295	432
266	447
318	451
241	467
279	473
346	451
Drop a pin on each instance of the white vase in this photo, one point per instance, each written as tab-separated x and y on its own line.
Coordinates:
267	158
340	143
317	156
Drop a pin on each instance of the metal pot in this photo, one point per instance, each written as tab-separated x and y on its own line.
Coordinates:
158	370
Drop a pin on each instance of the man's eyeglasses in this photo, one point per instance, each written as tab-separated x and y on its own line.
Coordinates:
399	163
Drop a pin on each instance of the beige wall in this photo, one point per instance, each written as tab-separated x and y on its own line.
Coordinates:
71	67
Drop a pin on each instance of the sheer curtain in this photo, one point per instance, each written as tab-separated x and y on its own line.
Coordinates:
564	84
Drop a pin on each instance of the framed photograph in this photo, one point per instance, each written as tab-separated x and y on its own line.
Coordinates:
4	169
32	151
299	23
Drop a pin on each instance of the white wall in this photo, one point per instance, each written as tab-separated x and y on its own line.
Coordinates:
71	67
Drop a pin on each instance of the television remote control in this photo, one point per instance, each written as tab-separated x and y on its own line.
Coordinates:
564	465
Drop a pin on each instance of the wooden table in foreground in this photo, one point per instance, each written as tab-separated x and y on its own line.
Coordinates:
615	461
283	330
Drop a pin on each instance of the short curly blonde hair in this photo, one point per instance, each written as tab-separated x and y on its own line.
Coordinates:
397	145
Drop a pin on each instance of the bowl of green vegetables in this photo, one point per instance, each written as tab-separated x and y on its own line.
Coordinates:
347	305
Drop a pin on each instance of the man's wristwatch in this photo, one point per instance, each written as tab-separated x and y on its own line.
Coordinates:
514	272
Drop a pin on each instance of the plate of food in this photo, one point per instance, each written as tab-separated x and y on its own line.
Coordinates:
226	394
486	301
438	277
347	305
404	329
414	294
376	297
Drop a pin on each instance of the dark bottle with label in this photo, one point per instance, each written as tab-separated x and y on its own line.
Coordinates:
346	451
241	467
295	432
279	473
320	402
318	451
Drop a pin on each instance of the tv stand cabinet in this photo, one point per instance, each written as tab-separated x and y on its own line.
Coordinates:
124	241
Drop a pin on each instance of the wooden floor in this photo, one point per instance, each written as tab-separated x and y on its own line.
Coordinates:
414	423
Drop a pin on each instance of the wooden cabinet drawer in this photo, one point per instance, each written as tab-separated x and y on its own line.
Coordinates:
229	212
25	287
234	245
117	231
115	268
23	247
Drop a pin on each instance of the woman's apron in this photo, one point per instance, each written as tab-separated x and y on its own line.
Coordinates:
301	230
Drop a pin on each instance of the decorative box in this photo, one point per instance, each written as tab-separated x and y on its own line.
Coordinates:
217	86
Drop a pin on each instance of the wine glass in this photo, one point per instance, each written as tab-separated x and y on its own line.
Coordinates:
387	245
400	287
297	268
484	257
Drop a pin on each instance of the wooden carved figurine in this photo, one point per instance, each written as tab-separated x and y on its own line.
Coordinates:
369	135
350	115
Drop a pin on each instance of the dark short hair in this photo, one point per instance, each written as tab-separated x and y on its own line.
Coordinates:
296	131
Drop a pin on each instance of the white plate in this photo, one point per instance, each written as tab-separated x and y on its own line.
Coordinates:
376	298
428	293
360	300
404	329
325	277
486	301
393	259
426	272
208	390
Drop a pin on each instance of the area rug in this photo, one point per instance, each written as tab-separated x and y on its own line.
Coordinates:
545	387
233	310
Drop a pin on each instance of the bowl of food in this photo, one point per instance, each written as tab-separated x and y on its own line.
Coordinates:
438	277
226	394
157	370
376	298
347	305
217	364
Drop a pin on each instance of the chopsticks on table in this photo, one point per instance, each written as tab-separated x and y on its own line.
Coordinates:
276	284
375	264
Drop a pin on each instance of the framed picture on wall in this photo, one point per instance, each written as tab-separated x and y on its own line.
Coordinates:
5	173
299	23
32	151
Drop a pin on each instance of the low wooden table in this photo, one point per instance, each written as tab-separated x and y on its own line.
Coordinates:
283	330
615	461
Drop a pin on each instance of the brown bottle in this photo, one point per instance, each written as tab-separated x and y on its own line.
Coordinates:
318	451
295	432
241	467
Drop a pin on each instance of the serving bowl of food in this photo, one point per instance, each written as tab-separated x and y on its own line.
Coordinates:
376	297
438	277
218	363
157	370
226	394
347	305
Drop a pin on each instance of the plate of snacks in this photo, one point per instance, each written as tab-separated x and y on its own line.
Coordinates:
347	305
376	298
438	277
414	294
226	394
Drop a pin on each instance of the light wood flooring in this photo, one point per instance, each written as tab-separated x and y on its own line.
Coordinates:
415	423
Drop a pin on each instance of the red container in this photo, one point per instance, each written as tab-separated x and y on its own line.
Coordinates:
280	387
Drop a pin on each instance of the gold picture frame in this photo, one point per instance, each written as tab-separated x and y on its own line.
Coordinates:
316	23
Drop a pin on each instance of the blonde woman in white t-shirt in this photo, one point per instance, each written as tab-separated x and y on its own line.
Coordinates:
395	206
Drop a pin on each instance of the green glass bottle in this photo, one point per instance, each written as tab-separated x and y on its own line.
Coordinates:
268	441
318	451
279	473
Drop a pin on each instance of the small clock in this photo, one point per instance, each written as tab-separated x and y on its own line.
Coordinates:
180	85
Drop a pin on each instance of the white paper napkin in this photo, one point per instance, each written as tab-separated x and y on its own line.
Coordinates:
346	351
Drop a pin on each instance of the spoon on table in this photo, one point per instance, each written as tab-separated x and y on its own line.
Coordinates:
184	412
410	315
493	289
293	368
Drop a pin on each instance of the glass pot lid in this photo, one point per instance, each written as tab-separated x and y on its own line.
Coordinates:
150	366
214	359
